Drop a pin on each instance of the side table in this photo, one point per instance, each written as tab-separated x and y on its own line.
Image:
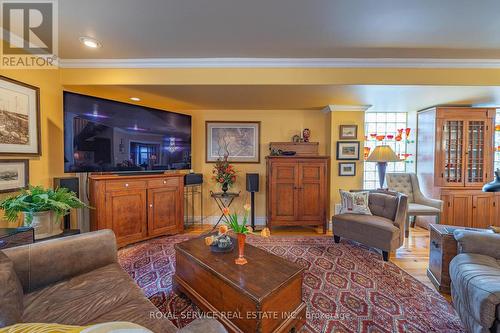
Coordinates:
442	248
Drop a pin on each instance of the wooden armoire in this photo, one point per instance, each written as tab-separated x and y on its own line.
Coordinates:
297	191
455	149
137	207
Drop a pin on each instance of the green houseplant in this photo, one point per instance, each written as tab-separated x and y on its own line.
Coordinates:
42	208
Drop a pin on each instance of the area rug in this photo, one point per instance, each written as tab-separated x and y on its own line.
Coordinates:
347	287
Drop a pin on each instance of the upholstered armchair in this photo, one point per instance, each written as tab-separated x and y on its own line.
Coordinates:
418	203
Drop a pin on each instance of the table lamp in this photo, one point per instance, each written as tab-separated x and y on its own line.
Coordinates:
382	155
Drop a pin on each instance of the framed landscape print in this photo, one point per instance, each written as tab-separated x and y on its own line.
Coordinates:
348	132
347	169
239	140
14	175
19	118
347	150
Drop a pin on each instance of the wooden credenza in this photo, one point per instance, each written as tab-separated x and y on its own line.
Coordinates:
297	191
455	159
137	207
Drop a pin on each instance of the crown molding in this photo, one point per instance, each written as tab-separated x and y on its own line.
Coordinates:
349	108
280	63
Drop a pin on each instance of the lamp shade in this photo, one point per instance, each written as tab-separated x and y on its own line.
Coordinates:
383	154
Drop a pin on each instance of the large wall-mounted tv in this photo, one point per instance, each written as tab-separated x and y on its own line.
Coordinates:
102	135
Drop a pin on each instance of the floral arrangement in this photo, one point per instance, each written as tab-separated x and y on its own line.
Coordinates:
224	173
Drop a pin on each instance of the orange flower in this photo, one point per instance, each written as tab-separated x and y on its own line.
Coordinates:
225	211
265	232
209	240
247	207
223	229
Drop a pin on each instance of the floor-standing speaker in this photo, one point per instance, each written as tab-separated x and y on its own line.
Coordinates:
252	187
72	184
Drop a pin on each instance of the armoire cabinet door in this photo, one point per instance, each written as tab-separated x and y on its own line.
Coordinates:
477	158
452	159
311	191
284	200
164	211
461	205
483	206
126	214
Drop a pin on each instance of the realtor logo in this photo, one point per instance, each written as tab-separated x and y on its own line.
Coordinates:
29	34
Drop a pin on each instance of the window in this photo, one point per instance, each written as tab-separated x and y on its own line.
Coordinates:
383	124
497	141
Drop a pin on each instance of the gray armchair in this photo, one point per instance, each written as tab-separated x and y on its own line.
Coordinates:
418	203
383	230
475	280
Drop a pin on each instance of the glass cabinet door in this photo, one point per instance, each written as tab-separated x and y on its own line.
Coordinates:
452	144
475	156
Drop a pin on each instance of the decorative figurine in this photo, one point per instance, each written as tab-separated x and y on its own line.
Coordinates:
306	134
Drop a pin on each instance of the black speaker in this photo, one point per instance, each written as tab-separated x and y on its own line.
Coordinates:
252	182
72	184
193	179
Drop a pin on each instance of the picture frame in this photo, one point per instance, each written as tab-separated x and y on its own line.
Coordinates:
348	132
348	150
239	139
14	175
19	118
347	169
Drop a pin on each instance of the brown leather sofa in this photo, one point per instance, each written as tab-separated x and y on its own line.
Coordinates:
383	230
77	281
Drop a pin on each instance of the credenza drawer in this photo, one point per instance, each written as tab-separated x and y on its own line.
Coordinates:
116	185
165	182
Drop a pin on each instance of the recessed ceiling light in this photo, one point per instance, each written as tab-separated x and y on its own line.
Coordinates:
90	42
135	99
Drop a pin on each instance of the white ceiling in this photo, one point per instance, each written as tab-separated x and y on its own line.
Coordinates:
132	29
383	98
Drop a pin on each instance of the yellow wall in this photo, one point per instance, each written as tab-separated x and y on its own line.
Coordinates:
344	182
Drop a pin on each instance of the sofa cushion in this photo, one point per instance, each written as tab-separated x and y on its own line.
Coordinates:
11	293
103	295
476	278
354	202
375	231
384	205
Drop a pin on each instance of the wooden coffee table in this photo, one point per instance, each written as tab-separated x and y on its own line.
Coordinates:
264	295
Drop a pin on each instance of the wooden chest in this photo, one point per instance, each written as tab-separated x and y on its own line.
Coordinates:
10	237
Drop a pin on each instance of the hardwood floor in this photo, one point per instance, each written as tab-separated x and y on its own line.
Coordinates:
413	256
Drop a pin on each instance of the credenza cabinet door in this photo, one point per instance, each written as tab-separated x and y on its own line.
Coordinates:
461	204
126	214
284	186
311	192
483	208
164	211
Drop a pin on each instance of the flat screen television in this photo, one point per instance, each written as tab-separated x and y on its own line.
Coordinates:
102	135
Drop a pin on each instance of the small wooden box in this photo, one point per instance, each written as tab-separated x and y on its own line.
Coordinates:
301	148
443	247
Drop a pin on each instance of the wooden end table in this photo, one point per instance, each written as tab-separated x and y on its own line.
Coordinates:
443	247
264	295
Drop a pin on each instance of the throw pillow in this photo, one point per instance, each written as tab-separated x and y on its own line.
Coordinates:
354	203
11	293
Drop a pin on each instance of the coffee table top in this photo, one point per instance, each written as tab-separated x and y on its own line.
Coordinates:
263	274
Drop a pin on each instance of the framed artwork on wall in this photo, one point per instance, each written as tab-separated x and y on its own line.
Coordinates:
239	140
348	132
347	169
347	150
14	175
19	118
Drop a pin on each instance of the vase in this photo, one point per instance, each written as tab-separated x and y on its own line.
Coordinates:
494	186
45	224
225	187
241	250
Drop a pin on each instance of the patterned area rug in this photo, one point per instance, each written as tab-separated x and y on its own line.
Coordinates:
347	287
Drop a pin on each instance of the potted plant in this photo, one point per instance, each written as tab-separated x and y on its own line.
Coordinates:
241	230
42	208
224	173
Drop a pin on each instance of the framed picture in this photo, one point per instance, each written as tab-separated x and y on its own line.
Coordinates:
14	175
348	132
19	118
347	169
347	150
240	140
